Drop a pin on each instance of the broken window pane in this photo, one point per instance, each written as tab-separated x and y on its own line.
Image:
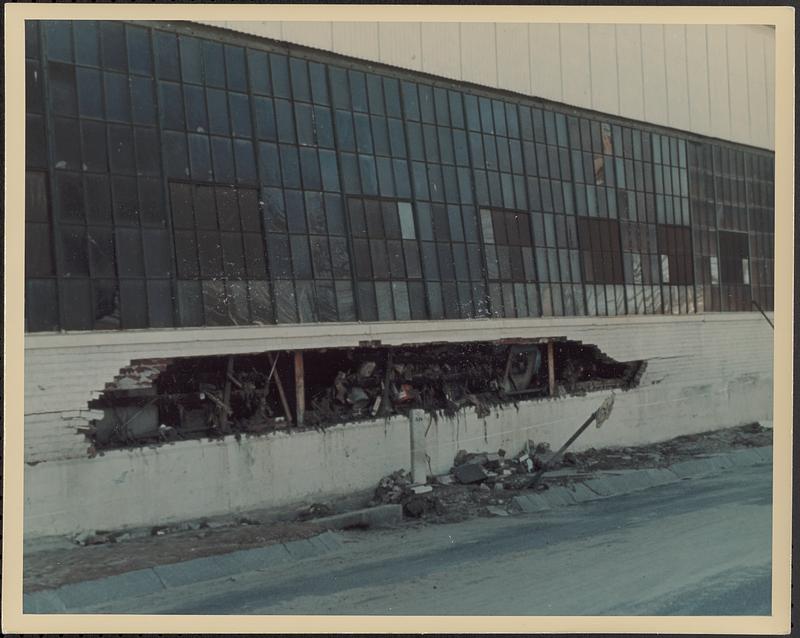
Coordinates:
714	265
233	255
215	303
237	304
105	293
665	269
320	257
186	254
133	303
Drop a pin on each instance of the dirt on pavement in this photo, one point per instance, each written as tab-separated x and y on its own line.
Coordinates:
449	501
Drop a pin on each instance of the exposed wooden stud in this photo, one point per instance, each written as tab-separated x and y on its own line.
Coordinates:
274	374
386	381
300	387
226	398
551	368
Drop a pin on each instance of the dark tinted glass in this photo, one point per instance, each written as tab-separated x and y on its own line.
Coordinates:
166	52
63	93
235	68
143	105
118	105
112	41
87	47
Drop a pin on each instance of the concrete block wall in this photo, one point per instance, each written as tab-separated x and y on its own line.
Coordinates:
192	479
704	371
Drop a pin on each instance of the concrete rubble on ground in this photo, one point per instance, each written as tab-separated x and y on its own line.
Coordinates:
485	483
478	483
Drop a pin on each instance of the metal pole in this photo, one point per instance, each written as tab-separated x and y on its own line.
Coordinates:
601	415
538	476
761	310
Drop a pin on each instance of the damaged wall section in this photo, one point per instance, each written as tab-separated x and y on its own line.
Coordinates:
171	399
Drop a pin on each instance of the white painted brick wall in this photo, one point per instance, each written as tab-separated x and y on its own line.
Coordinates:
64	372
703	372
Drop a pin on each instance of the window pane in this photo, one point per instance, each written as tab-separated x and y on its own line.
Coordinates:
112	40
166	48
159	304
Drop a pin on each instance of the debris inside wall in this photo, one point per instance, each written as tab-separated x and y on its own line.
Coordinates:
164	400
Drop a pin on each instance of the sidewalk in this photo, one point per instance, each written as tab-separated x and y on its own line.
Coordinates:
58	580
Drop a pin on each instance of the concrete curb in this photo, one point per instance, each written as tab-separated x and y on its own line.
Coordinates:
621	482
68	598
379	516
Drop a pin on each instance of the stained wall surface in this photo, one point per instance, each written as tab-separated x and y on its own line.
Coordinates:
703	372
715	80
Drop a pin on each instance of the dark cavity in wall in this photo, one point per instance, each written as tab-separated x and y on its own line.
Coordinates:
166	400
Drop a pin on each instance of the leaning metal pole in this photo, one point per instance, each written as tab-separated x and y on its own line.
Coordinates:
761	310
600	415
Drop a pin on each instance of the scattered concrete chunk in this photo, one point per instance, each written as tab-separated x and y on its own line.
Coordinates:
470	473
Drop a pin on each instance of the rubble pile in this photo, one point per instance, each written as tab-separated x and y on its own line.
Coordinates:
499	472
392	488
478	483
416	500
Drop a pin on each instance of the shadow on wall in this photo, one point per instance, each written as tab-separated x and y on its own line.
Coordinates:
164	400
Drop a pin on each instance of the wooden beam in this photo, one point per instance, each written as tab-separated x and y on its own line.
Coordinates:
274	374
551	368
225	413
387	377
300	386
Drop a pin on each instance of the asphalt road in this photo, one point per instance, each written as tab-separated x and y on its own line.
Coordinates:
698	547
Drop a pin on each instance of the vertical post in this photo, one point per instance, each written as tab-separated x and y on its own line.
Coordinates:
278	384
551	368
300	387
419	460
226	397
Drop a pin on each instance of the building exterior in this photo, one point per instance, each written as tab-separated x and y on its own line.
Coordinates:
229	190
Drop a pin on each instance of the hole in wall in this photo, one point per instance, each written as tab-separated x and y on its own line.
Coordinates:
164	400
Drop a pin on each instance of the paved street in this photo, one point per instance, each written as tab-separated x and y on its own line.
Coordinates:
698	547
